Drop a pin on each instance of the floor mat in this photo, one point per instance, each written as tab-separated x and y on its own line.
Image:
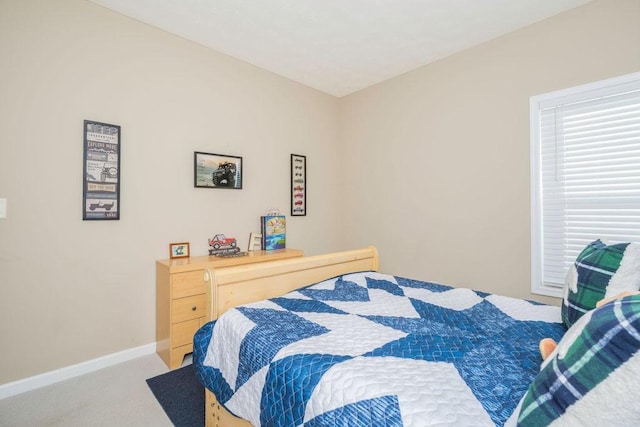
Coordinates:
181	396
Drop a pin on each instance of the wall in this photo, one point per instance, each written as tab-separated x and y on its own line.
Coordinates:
73	290
439	157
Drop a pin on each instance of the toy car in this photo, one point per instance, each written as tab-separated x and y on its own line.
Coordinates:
220	241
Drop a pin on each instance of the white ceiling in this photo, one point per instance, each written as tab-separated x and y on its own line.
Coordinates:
339	46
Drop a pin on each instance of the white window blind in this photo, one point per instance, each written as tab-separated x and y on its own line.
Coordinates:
585	174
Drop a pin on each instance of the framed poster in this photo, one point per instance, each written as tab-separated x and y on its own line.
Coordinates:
298	185
101	182
217	171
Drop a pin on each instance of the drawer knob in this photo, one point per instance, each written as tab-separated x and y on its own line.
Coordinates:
194	308
206	276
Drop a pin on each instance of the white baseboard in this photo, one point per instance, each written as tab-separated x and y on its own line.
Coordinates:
52	377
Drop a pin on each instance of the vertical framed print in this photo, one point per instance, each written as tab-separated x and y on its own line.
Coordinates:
298	185
101	181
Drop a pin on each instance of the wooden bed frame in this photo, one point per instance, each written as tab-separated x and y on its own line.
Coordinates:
242	284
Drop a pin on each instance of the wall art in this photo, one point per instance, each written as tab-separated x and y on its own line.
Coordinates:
298	185
217	171
101	182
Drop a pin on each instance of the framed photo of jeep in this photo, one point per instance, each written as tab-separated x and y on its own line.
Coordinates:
217	171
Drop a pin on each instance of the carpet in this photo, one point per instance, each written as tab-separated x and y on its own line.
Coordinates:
181	396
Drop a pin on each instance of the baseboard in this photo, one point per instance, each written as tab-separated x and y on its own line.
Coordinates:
52	377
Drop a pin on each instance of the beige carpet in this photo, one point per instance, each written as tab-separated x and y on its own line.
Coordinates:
114	396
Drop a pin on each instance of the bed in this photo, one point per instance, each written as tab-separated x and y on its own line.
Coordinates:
341	344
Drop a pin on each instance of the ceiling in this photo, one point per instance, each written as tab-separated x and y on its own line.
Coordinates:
339	46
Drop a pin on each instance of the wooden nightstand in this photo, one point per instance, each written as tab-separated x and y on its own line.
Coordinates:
182	305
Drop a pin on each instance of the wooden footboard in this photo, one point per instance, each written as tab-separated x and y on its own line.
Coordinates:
236	285
216	416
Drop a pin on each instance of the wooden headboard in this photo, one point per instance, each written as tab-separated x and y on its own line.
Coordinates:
242	284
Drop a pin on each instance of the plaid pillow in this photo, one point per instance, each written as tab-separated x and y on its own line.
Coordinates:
592	377
599	271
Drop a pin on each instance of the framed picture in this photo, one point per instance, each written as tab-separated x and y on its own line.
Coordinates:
179	250
101	170
298	185
217	171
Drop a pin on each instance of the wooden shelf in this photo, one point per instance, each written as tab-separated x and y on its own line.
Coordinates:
211	261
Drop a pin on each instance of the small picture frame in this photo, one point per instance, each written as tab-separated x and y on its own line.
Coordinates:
217	171
298	185
179	250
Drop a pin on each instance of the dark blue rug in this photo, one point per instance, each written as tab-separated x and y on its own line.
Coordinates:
181	396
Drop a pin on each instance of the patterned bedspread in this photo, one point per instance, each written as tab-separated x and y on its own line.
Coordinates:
368	349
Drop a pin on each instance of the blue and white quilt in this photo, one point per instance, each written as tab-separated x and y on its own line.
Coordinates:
368	349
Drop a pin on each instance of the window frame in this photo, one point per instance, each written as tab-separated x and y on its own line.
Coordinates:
536	104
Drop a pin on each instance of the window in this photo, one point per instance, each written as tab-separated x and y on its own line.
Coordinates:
585	174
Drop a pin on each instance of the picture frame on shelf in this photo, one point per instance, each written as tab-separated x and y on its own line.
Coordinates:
298	185
217	171
179	250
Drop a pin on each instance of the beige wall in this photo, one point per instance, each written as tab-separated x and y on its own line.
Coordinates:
432	167
72	291
439	157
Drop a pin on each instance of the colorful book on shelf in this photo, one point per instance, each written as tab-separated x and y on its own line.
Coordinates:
274	234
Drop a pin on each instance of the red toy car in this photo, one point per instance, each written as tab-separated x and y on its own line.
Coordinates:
219	241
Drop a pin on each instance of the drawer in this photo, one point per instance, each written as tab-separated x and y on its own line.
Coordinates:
182	333
187	284
188	308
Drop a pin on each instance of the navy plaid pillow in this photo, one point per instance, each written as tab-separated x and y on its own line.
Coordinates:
595	268
584	365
